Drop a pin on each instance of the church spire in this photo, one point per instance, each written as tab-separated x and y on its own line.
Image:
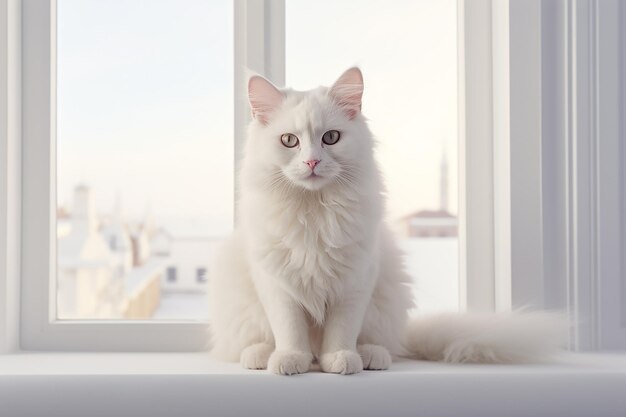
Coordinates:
443	184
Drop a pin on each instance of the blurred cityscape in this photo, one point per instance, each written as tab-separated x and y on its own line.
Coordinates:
432	223
113	268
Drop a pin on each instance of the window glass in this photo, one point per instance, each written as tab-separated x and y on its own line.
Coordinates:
144	129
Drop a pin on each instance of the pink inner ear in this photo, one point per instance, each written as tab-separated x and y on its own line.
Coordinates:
348	92
264	98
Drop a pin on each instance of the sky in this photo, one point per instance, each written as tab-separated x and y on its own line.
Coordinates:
145	97
145	106
407	52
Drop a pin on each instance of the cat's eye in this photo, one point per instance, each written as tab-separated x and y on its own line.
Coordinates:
331	137
289	140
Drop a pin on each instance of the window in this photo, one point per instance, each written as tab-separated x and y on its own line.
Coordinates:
546	238
144	116
410	101
201	275
121	137
107	192
171	274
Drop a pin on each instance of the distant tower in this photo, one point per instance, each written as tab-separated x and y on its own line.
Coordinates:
443	185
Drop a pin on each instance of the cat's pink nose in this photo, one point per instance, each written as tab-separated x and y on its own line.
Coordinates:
312	163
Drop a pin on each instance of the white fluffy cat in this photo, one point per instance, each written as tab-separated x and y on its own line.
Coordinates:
312	271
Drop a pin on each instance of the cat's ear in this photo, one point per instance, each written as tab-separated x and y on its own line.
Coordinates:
264	98
348	91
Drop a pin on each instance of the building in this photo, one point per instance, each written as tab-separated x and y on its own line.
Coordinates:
186	255
99	273
87	283
186	252
143	290
115	232
432	223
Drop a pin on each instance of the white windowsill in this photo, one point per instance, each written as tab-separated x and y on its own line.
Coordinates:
191	384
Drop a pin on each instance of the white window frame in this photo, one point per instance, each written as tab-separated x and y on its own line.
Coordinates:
530	95
257	28
10	157
542	156
500	214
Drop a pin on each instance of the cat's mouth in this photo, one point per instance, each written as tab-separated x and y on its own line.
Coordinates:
313	181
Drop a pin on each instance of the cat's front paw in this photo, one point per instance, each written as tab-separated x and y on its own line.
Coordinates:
374	357
256	356
341	362
289	362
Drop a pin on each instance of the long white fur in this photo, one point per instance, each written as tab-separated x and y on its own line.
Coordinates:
312	271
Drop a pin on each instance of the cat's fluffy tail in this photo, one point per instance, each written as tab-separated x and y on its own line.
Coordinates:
487	338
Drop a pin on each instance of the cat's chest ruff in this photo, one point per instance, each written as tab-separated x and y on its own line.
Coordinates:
315	238
311	247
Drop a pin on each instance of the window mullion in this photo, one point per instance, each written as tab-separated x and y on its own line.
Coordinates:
518	146
37	143
500	160
10	125
476	198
